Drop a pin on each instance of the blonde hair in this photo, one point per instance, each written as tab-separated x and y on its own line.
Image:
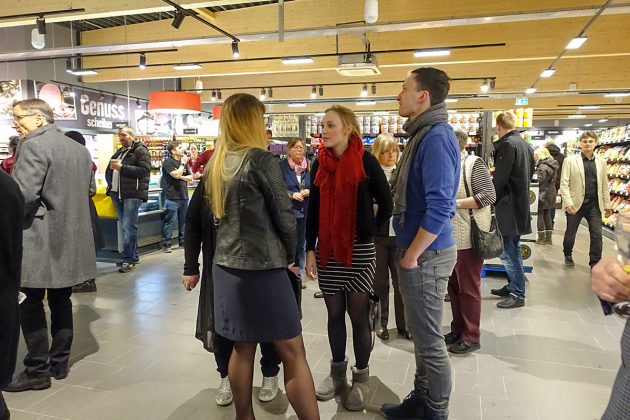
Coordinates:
462	137
541	153
383	143
507	120
348	119
241	129
127	130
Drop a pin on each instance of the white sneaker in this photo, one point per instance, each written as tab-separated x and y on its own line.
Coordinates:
224	394
268	389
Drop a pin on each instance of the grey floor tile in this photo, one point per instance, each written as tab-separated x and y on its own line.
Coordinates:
67	403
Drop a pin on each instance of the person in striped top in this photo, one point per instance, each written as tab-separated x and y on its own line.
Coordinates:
464	283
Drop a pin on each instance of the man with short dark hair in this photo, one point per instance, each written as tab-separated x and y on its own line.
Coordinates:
514	168
127	179
425	184
54	175
175	179
584	191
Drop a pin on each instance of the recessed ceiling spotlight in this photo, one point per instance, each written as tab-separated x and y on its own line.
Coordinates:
547	73
364	90
235	51
313	92
530	90
485	86
576	42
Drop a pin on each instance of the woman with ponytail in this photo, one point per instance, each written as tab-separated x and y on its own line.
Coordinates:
340	229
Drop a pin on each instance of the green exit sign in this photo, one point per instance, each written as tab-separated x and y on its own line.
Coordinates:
521	101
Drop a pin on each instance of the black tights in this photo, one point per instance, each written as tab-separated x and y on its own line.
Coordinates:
357	306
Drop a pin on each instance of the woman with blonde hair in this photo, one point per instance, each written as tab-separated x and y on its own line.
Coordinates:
340	220
546	172
386	151
254	300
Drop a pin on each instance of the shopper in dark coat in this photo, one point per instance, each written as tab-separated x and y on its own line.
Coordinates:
546	174
11	215
558	156
514	168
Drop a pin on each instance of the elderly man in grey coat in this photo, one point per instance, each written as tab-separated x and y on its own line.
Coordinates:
54	175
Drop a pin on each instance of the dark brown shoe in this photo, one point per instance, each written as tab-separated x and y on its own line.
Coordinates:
503	292
383	334
463	347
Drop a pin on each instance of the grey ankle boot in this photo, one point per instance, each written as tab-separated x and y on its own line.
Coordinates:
358	395
548	235
334	383
542	237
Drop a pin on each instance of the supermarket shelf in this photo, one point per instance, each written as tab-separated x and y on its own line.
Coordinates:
626	177
618	160
621	193
615	143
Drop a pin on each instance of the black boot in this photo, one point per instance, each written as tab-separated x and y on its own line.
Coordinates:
87	286
25	383
412	407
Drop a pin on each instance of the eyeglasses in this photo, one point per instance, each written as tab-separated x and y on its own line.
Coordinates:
17	117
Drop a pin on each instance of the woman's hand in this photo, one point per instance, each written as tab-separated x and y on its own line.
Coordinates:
190	282
305	193
311	265
297	196
294	269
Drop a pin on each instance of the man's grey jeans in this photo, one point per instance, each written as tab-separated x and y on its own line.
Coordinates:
423	289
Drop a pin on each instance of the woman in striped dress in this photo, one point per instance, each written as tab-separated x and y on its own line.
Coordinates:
340	229
476	193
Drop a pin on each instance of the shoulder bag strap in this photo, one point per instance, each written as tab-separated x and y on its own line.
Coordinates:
466	182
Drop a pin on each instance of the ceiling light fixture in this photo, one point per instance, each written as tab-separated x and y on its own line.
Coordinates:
262	94
213	97
83	72
485	86
530	90
101	97
576	42
366	103
321	90
547	73
450	100
588	125
603	120
143	61
577	117
68	65
297	60
178	19
370	12
617	94
452	111
589	107
235	51
219	94
138	104
493	84
187	66
72	94
114	97
270	93
296	105
364	90
432	53
313	92
373	88
41	25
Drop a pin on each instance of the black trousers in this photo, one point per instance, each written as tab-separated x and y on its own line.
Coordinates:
41	359
589	211
386	262
269	362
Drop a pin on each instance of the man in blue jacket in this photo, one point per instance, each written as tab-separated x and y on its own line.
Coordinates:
425	184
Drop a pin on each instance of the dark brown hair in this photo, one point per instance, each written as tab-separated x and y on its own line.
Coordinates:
172	146
589	135
433	80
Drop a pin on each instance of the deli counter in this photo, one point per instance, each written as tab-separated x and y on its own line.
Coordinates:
149	221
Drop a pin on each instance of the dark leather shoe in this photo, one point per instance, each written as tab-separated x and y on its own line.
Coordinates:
404	333
451	338
511	302
412	407
503	292
568	261
318	295
59	373
383	334
87	286
24	383
463	347
447	298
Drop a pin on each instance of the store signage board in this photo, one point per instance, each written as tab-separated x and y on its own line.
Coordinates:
191	131
119	124
521	101
553	132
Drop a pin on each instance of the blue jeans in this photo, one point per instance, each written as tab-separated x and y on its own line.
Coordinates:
513	262
300	251
423	289
173	208
128	208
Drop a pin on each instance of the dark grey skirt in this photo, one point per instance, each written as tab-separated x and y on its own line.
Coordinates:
254	305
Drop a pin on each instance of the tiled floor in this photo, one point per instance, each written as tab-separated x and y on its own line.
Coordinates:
135	356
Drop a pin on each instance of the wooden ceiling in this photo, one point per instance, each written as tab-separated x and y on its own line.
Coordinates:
533	32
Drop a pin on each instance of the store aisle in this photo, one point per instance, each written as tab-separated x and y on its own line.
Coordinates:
135	356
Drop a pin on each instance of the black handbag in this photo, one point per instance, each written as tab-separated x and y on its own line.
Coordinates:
487	245
373	315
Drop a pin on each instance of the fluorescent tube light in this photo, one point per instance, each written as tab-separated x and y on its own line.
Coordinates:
296	105
577	117
431	53
367	103
450	100
83	72
589	107
189	66
530	90
617	95
576	43
547	73
297	60
603	120
588	125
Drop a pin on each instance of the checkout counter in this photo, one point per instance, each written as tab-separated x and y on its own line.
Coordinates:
149	221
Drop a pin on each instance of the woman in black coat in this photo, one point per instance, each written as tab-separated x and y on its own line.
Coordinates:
11	218
546	173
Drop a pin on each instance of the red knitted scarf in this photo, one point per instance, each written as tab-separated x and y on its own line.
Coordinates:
338	181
